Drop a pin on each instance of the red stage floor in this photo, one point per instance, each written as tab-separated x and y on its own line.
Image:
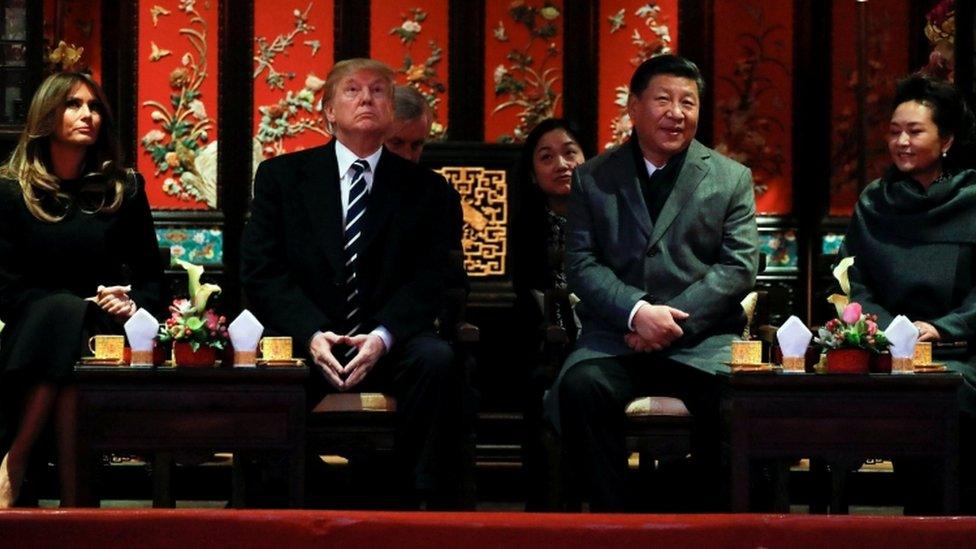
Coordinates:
195	528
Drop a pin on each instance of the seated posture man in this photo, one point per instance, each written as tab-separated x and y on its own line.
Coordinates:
342	253
661	247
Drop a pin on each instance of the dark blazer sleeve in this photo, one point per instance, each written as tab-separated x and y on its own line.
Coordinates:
733	274
140	249
411	308
266	272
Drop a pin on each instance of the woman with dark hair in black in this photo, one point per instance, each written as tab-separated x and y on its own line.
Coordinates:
550	154
913	233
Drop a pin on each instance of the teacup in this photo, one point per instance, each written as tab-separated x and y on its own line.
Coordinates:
923	353
747	352
276	348
107	347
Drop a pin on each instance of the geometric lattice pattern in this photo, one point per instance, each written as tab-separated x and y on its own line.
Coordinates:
484	201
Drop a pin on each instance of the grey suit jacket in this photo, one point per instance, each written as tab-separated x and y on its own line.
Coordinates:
701	256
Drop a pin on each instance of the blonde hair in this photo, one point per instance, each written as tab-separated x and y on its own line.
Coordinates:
30	162
344	68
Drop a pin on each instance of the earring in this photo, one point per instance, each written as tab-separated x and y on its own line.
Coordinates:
944	153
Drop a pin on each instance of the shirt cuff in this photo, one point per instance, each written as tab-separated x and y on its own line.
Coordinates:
385	335
633	312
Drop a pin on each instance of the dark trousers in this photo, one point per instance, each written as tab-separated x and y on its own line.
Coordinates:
428	384
592	399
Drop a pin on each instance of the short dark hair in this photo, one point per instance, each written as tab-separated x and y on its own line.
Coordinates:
950	113
674	65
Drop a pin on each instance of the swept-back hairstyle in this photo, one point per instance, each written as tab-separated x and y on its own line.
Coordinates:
674	65
30	162
346	67
950	113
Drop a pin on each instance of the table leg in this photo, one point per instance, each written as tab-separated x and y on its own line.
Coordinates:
781	485
163	480
238	494
838	488
950	484
296	478
739	465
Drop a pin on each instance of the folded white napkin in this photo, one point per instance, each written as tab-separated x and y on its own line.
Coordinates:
141	329
794	337
245	332
903	335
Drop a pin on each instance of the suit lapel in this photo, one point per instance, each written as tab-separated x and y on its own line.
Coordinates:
319	189
689	178
630	186
383	198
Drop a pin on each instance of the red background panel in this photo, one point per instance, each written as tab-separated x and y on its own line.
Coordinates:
154	82
888	32
78	23
753	95
504	122
619	56
307	50
389	48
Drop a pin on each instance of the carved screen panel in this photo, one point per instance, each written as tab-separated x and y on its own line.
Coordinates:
177	103
484	201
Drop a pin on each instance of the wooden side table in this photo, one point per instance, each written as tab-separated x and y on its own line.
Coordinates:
163	410
840	419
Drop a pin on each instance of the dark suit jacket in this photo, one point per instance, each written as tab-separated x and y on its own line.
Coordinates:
701	256
292	262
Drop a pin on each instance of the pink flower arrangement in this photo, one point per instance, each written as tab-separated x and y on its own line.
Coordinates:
853	329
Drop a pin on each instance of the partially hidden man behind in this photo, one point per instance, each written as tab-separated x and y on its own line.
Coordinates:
412	119
661	248
342	254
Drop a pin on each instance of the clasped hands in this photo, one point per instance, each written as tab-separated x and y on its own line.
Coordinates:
115	301
655	328
369	350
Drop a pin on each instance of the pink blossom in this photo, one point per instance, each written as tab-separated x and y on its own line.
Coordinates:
852	313
872	327
211	319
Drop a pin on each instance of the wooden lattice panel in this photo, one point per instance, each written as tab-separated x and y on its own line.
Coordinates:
484	200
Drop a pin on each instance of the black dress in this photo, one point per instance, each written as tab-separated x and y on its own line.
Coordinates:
46	271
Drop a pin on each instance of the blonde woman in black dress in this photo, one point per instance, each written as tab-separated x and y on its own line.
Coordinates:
78	256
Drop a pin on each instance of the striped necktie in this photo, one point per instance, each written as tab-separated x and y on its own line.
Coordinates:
355	215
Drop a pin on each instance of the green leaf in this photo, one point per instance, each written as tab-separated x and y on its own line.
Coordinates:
194	323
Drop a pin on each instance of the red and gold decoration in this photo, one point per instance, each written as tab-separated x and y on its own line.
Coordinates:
484	201
178	102
413	40
631	31
887	59
523	64
72	36
754	95
292	54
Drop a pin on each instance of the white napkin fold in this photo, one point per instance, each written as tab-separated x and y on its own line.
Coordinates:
903	335
245	331
794	337
141	329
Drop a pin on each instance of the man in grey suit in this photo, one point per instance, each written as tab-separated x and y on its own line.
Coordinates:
661	248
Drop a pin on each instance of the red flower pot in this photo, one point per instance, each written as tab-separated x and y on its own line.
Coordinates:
880	363
848	361
184	355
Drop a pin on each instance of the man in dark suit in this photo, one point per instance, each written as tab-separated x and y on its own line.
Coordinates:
661	247
342	254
